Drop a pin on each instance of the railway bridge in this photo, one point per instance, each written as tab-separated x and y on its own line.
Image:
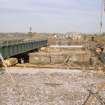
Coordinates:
20	48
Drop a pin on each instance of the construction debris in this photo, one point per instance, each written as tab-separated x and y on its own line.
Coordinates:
61	55
11	61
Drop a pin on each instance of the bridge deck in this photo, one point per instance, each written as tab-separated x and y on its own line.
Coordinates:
8	49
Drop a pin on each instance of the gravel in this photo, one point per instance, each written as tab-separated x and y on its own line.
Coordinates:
47	87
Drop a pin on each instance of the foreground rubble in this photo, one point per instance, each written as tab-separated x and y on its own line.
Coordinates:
48	87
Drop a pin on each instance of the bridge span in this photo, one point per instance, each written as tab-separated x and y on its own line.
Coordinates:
16	47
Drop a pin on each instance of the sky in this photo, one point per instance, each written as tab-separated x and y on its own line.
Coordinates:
50	15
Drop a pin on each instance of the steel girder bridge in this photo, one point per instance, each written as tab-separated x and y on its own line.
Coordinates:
12	48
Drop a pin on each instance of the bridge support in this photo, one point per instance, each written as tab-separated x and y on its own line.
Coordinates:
24	57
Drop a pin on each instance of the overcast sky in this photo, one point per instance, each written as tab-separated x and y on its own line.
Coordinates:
50	15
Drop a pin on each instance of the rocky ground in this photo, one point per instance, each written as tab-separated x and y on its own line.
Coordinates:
48	87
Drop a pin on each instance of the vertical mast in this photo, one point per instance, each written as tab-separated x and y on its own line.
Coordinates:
101	15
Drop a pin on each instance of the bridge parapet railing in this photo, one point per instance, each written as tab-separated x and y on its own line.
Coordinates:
14	42
7	43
